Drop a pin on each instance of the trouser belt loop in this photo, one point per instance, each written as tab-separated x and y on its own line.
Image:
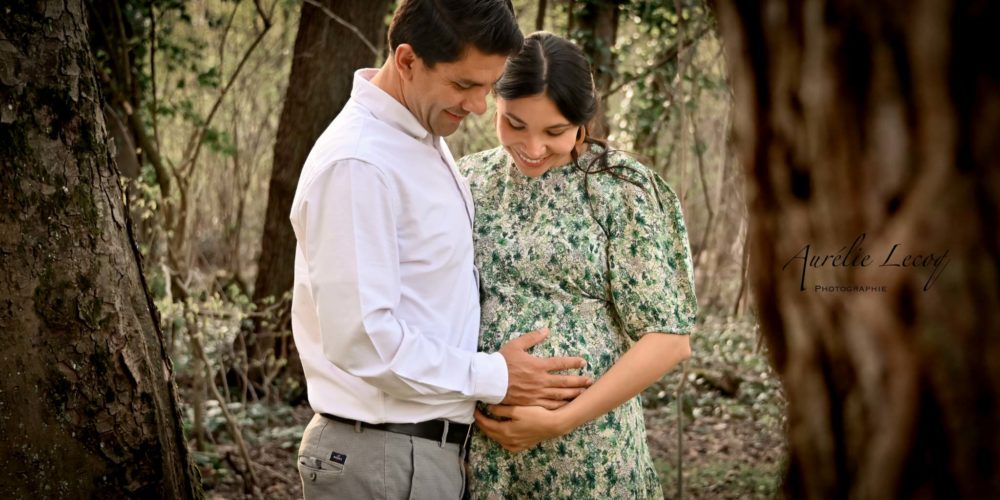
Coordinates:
465	442
444	435
357	426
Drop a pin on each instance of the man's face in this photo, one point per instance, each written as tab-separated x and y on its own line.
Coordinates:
441	96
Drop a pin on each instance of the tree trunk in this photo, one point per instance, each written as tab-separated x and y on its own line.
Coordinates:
326	55
87	403
540	15
876	119
597	22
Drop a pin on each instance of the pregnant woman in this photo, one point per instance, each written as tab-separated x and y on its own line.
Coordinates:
588	242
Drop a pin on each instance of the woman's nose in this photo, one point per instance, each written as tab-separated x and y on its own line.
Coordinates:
534	148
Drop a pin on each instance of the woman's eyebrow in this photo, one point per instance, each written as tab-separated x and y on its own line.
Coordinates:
508	114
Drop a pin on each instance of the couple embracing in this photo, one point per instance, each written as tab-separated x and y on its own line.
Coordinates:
422	283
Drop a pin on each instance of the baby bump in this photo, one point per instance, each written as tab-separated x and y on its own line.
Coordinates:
580	330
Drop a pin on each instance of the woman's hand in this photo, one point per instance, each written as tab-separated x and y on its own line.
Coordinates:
644	363
528	426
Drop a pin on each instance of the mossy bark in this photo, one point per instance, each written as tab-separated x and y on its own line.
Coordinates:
876	118
87	403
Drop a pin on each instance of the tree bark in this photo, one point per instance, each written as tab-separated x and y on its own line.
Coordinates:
597	22
540	15
877	119
326	55
87	403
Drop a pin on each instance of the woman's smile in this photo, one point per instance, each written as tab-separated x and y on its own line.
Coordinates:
528	161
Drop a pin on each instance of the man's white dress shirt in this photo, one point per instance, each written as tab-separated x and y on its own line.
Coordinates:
385	307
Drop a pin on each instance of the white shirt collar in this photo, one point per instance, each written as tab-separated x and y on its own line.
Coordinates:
385	107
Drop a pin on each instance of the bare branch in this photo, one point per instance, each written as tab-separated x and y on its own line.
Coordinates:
225	35
198	136
232	424
151	151
329	13
265	16
152	78
669	54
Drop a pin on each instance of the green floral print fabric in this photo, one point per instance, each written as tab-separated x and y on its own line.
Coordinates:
598	270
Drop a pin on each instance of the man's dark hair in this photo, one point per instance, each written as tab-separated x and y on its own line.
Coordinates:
440	30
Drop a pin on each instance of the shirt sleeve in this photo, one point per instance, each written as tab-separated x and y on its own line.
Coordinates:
347	220
649	261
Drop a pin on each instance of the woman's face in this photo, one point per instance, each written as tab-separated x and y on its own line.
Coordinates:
535	133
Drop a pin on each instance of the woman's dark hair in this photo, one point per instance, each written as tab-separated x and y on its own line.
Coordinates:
558	68
440	30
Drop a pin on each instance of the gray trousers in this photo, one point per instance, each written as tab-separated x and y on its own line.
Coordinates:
337	461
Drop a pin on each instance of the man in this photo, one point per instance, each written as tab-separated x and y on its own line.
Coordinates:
385	312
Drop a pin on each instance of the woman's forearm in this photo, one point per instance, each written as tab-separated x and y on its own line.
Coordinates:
644	363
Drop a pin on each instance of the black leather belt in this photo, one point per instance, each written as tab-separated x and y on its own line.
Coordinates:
431	429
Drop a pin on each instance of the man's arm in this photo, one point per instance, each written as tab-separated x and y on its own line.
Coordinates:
347	221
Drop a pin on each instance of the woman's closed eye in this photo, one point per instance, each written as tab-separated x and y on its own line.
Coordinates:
550	133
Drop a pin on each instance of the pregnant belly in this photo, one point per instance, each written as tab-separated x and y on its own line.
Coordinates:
583	330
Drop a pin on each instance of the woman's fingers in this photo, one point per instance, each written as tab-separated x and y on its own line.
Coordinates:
495	430
564	394
552	404
505	411
483	420
491	428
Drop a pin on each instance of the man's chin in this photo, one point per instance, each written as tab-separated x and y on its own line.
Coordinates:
447	128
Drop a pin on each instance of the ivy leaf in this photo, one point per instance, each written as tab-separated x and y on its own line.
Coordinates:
209	78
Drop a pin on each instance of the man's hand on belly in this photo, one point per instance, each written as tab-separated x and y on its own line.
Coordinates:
529	378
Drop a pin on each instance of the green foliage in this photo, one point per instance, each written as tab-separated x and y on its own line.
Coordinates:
219	141
259	422
209	78
733	416
723	478
725	348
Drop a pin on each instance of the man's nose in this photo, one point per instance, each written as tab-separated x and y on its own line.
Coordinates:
476	103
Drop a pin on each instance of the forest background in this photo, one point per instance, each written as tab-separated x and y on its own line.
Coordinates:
195	96
149	150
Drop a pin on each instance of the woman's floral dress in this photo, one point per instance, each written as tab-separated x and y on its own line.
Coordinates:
544	260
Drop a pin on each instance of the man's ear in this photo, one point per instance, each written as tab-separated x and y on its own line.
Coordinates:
404	58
